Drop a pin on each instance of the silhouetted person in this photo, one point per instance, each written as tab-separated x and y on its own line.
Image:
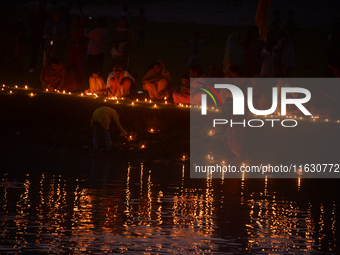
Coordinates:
196	48
142	23
333	47
76	51
55	33
8	36
122	41
252	52
38	21
100	123
96	48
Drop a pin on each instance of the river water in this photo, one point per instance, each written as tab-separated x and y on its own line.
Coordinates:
155	208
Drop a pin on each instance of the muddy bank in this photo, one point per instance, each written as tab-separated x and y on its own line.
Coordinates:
54	124
51	128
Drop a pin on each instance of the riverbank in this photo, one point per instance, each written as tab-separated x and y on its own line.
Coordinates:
56	125
35	122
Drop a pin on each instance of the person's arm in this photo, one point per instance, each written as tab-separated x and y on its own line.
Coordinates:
115	118
147	78
88	33
109	77
109	92
129	76
92	85
151	80
166	75
102	85
108	81
186	90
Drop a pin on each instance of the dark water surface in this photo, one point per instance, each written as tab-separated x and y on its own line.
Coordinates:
155	208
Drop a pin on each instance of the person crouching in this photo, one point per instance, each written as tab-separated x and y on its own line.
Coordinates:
119	82
100	123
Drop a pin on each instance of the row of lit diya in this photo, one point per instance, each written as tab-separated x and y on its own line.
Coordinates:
95	96
130	137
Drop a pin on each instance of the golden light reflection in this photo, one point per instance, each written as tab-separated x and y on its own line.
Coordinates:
265	185
321	234
22	212
82	219
149	196
242	189
182	180
192	214
159	209
141	179
174	216
128	207
333	220
278	226
4	223
5	196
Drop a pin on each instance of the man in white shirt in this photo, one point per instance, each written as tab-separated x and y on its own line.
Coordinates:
119	82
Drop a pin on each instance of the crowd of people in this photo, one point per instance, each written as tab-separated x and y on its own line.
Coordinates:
251	56
248	57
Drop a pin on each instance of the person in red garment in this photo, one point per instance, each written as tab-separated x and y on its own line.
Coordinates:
119	82
192	94
97	84
157	81
76	51
122	42
54	76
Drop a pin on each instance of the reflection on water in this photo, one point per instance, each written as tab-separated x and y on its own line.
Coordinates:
150	209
